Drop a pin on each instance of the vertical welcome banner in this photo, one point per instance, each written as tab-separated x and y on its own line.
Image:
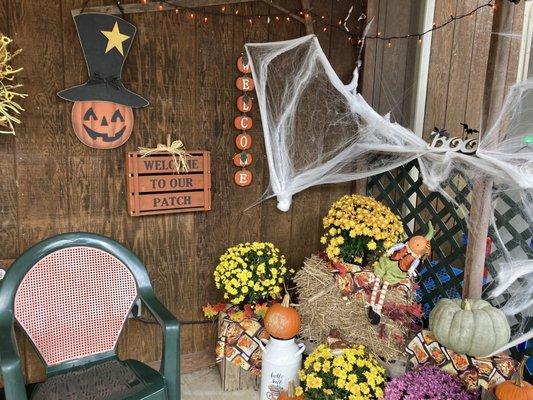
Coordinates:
243	123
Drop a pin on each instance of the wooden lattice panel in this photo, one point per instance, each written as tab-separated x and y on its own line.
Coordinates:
403	191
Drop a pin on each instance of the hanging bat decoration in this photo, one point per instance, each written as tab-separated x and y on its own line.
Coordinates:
439	132
467	130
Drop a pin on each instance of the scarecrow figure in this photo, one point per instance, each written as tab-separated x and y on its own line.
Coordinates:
400	262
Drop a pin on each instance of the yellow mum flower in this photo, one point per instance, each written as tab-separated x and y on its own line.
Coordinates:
251	272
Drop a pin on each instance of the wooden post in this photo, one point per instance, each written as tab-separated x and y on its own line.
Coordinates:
306	7
494	97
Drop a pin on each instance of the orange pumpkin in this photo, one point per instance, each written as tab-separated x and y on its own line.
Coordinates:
282	321
245	83
244	103
290	394
515	389
102	124
242	159
243	123
243	64
243	141
243	177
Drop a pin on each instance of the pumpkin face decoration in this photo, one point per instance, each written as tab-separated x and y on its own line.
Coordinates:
102	124
282	321
102	115
472	327
420	246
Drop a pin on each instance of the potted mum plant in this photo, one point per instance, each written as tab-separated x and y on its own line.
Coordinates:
350	373
250	276
358	229
427	382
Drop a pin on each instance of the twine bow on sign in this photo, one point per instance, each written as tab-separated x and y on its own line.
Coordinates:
176	149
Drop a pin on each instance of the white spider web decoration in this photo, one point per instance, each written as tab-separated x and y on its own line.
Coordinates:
318	130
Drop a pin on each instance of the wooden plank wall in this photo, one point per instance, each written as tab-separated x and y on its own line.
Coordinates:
457	69
51	183
458	62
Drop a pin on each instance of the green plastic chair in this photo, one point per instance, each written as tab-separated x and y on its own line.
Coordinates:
71	295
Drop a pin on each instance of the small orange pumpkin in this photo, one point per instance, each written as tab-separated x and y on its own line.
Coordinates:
243	141
290	394
102	124
282	321
244	103
243	123
243	177
245	83
243	64
515	389
242	159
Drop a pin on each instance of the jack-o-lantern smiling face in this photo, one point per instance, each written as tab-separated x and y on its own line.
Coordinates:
102	124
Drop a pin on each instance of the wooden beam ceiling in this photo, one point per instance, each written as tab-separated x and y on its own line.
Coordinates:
169	5
152	6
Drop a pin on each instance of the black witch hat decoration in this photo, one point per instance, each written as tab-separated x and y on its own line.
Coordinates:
106	41
101	114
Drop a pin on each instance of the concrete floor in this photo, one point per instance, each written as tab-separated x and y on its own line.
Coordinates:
205	384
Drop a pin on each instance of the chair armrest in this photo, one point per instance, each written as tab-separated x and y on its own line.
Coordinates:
10	366
170	363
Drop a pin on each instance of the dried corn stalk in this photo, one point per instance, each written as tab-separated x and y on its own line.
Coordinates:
9	96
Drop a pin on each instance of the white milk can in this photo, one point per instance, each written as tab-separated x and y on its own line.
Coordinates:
282	359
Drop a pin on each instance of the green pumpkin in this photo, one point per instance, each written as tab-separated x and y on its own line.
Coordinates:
472	327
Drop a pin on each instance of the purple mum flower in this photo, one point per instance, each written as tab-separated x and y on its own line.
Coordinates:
427	382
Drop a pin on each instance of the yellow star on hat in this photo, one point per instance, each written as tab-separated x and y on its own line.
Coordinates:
115	39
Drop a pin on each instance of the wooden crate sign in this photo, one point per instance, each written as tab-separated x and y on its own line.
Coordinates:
154	187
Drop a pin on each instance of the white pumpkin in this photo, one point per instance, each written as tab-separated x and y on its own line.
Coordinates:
472	327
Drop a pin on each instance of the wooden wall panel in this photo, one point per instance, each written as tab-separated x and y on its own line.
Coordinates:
51	183
458	63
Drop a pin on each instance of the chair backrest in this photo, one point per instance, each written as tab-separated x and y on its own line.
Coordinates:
74	299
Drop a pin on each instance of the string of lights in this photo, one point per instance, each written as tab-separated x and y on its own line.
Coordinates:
435	27
321	22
